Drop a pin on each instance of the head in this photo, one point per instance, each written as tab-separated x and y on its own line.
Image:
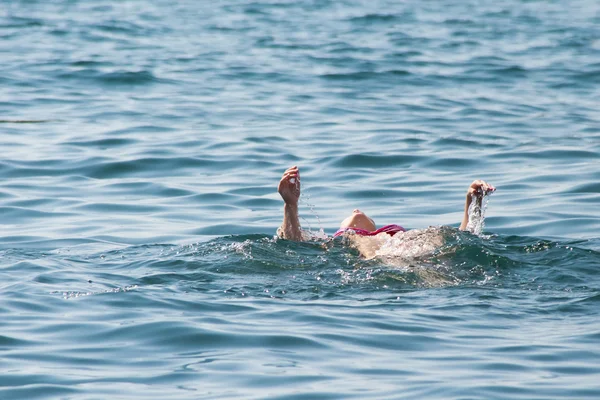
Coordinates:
359	220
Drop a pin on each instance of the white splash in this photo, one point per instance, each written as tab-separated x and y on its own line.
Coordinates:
476	213
309	233
411	245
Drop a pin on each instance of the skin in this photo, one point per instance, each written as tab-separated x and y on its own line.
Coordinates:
360	220
289	189
476	190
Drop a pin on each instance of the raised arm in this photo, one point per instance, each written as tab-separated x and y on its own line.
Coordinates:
477	190
289	189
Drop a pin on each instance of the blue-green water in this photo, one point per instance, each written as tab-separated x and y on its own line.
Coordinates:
142	142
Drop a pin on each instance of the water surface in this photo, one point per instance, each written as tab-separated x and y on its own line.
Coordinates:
142	144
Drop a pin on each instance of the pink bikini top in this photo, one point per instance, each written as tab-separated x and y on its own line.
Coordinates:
389	229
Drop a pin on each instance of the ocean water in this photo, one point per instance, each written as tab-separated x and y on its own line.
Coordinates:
142	142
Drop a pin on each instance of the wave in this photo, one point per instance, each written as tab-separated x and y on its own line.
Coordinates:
263	266
365	75
115	78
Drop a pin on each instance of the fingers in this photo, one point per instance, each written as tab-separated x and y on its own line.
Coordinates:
291	175
292	170
486	187
480	187
289	185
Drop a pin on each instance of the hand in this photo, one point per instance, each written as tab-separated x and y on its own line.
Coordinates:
289	186
480	188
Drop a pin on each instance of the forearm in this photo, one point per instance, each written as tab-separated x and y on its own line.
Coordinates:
290	227
465	221
468	201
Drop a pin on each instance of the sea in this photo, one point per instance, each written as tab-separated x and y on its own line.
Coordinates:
141	147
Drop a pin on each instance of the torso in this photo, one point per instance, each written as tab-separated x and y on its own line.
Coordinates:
407	245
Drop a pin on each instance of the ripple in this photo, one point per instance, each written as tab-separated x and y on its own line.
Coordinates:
117	78
365	75
104	143
144	142
369	18
372	161
149	166
586	188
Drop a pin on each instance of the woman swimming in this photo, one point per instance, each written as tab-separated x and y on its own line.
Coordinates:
357	224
